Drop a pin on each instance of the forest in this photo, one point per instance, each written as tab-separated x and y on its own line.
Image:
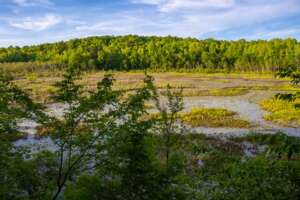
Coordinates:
158	54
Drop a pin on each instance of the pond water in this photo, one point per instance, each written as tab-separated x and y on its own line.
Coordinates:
246	106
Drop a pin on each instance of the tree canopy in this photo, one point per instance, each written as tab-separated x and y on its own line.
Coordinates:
161	53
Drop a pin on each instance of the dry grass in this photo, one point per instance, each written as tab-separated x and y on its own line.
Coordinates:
194	84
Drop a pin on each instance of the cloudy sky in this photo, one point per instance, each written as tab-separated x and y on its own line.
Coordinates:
24	22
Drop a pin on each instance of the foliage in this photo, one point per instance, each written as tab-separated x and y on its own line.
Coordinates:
284	107
284	146
160	54
258	178
293	73
14	105
105	148
167	116
279	144
15	174
81	127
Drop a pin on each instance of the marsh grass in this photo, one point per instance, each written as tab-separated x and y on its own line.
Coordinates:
286	87
40	82
197	73
213	117
149	106
282	112
209	150
22	69
208	117
39	89
216	92
232	91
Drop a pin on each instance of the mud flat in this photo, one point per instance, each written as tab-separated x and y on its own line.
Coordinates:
246	105
247	108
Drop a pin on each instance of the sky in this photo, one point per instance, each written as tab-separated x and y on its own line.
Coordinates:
26	22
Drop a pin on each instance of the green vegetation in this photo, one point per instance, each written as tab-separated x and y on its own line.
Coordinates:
156	53
106	146
284	108
215	92
294	74
282	112
272	180
223	167
40	86
21	69
211	117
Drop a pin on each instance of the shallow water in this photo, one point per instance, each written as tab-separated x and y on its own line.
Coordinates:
246	107
36	144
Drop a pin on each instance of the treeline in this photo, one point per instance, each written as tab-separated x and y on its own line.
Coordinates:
161	54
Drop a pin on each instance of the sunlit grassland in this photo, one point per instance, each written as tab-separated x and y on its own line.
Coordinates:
286	87
40	85
209	118
50	68
197	73
215	92
213	117
282	112
41	69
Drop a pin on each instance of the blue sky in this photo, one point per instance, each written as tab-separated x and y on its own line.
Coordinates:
25	22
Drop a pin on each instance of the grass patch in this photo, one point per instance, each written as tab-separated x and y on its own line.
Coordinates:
39	89
286	87
212	117
282	112
245	75
216	92
149	106
194	84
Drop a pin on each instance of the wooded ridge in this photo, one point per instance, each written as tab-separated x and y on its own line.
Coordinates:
161	54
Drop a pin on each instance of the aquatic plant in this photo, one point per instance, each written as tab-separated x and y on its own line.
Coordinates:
213	117
282	112
215	92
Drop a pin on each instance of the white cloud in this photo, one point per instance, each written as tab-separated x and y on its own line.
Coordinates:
175	5
237	16
199	18
282	33
192	23
150	2
229	19
120	24
102	26
38	24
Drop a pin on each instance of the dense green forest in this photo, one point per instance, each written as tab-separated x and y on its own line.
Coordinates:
160	53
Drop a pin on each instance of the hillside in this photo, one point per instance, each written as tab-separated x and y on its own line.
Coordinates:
159	54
